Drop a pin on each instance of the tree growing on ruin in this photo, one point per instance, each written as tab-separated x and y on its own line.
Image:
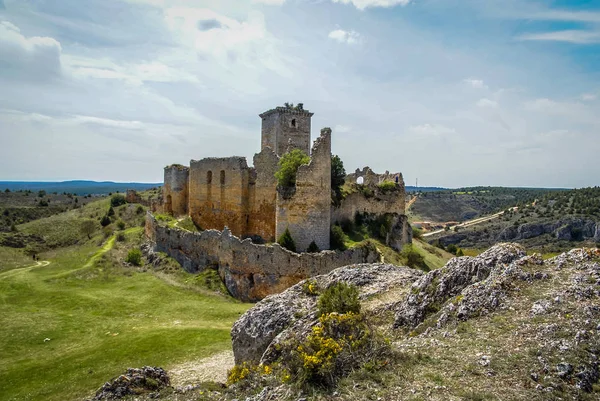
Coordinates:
338	178
288	167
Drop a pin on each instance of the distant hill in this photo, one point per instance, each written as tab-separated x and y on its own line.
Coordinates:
79	187
424	189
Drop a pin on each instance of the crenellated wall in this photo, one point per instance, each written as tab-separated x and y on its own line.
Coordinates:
249	271
176	190
305	211
283	126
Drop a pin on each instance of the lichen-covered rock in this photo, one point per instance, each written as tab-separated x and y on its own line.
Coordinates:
293	310
430	292
133	382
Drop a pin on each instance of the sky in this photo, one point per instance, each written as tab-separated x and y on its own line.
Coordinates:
450	92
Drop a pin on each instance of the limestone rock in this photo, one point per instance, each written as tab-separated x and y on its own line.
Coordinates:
429	293
274	317
133	382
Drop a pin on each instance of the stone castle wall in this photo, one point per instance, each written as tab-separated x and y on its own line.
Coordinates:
380	203
176	190
282	127
249	271
306	212
263	195
219	191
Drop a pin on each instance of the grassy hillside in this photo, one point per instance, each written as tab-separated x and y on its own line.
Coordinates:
468	203
555	222
85	316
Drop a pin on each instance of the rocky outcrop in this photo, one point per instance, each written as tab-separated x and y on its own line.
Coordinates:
430	292
133	382
566	230
256	334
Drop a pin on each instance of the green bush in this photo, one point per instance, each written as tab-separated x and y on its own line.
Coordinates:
338	178
287	241
121	237
288	167
417	233
121	224
340	298
139	209
452	249
117	200
387	186
134	257
111	211
336	238
413	258
105	221
313	248
460	252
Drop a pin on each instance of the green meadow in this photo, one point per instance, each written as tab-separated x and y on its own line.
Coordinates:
70	325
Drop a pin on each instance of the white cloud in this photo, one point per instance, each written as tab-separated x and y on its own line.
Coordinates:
484	102
35	57
363	4
475	83
565	15
350	37
342	128
570	36
269	2
588	97
431	130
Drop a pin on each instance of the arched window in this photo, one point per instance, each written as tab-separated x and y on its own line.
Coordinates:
293	122
360	180
222	177
209	177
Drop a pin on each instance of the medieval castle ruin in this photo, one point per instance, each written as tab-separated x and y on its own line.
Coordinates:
245	205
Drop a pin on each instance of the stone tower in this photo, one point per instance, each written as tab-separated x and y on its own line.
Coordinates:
284	125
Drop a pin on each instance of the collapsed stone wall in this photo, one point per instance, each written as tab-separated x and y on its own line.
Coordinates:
249	271
306	211
370	178
176	190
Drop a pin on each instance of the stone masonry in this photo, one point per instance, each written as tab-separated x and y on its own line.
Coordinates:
250	271
226	192
306	211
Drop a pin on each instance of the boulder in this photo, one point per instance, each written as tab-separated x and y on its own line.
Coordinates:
273	318
431	291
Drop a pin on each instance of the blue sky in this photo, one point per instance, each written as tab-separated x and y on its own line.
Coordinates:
452	92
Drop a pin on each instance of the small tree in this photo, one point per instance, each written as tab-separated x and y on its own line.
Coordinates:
134	257
417	233
460	252
88	227
287	241
105	221
7	190
338	178
288	167
117	200
111	211
336	238
452	249
313	248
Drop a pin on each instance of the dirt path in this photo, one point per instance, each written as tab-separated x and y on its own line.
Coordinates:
10	273
411	201
214	368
